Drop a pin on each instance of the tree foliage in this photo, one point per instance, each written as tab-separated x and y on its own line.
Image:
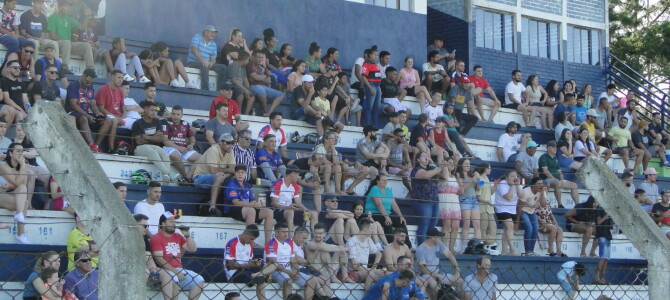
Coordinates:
640	36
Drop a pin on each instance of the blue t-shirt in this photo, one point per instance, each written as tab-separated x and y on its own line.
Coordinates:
84	96
207	50
375	291
236	191
273	159
387	200
28	287
560	108
412	287
580	113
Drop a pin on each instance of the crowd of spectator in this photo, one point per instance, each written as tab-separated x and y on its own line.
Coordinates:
368	244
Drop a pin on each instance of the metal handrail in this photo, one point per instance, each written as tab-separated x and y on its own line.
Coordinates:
629	69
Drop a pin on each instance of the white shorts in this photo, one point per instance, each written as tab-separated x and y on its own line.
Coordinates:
184	156
395	103
280	277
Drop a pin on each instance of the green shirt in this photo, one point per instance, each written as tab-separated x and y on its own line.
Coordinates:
387	200
551	164
63	26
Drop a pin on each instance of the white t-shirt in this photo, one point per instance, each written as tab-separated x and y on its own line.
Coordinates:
579	145
509	144
238	252
559	129
154	213
503	205
432	112
131	113
359	62
516	90
610	98
428	68
361	251
628	115
283	252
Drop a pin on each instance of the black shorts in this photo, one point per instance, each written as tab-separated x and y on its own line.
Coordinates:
95	125
309	271
298	216
243	276
511	105
235	212
410	91
371	163
505	216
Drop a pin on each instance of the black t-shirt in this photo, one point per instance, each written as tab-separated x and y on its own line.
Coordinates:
272	58
302	163
584	213
15	90
141	127
636	137
417	132
228	48
562	143
297	94
33	25
659	209
147	243
603	229
323	81
46	92
389	89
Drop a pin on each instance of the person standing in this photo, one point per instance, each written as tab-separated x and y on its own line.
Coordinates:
529	201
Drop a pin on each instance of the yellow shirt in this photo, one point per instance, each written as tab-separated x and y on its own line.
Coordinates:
592	130
484	193
322	104
75	240
214	158
620	135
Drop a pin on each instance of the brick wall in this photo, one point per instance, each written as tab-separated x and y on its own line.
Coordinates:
453	30
498	66
454	8
508	2
548	6
546	69
589	10
587	74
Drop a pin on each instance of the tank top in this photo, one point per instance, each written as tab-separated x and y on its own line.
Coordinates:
440	138
533	96
407	78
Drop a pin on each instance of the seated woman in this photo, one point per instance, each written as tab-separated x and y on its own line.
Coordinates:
584	147
552	94
549	226
330	59
537	96
15	189
566	151
35	171
384	208
410	80
161	69
452	130
285	56
117	58
34	287
377	234
335	165
236	44
269	161
581	219
313	60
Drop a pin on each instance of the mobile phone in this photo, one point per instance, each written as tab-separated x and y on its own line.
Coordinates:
453	51
184	228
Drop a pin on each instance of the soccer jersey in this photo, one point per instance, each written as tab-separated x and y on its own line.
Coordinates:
180	133
236	191
273	159
282	251
279	134
285	194
239	252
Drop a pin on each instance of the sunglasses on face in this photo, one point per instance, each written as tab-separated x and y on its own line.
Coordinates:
52	72
85	260
28	51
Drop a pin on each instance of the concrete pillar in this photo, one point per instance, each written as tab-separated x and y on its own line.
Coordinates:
76	170
626	212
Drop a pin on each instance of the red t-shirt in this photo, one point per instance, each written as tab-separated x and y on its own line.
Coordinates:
180	134
170	246
372	72
111	99
233	109
480	82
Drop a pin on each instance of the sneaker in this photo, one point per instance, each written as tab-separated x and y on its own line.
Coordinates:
666	164
144	79
175	177
95	148
20	218
128	78
23	239
191	85
174	83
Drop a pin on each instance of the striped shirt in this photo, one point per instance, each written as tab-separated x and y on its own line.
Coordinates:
245	157
207	49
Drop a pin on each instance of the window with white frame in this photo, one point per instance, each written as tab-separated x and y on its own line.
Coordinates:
583	45
395	4
539	38
494	30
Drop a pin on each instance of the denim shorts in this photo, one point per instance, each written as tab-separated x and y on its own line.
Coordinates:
469	202
204	181
262	90
191	279
604	246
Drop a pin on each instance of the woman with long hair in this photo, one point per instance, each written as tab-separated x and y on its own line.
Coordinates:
236	44
584	147
581	219
486	201
313	60
424	192
285	57
330	59
529	201
566	151
328	150
15	196
552	94
468	181
377	234
550	227
448	191
537	96
410	80
294	79
35	171
588	98
381	203
117	57
568	88
256	46
34	287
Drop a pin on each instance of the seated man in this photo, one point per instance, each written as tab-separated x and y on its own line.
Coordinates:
660	213
269	161
83	109
310	177
109	99
641	197
515	93
152	271
219	125
526	164
429	262
481	85
274	127
245	155
33	26
657	130
61	26
462	96
652	148
372	153
433	109
302	99
240	203
623	144
150	93
133	110
361	247
148	138
551	174
213	167
435	78
418	285
318	284
179	143
237	75
399	162
202	55
9	34
26	62
226	96
420	143
151	206
286	197
508	143
341	224
259	78
392	94
324	256
84	272
239	262
50	58
14	93
48	89
168	248
392	287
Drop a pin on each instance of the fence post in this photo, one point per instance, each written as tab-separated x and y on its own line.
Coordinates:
626	212
77	172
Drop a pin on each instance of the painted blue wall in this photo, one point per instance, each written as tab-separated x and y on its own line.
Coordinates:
350	27
452	29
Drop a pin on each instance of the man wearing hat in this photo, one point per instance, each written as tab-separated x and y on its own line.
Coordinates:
302	97
226	96
168	247
202	55
639	134
81	105
527	163
429	261
649	185
462	96
214	166
508	143
33	26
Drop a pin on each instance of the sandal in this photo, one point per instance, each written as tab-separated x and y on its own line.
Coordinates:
552	254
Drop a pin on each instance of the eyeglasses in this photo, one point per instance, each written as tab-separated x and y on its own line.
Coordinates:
229	143
85	260
28	51
52	72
